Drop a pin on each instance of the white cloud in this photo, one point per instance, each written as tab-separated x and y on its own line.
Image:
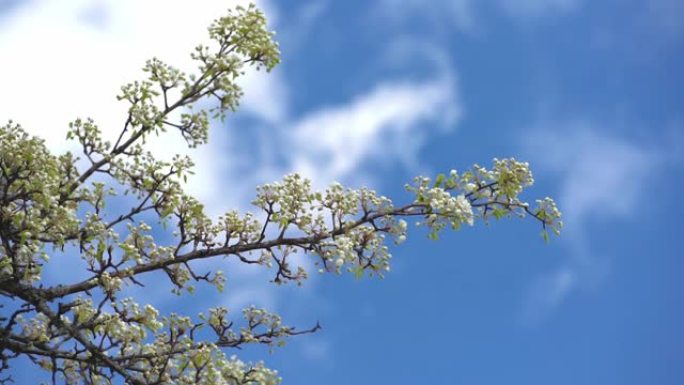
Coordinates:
267	96
603	178
386	124
67	59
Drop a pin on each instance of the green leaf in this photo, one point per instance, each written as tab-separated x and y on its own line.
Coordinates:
545	235
439	180
499	212
167	210
100	251
358	272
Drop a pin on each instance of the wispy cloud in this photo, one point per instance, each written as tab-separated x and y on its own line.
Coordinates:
532	9
306	16
602	179
603	175
386	124
547	293
465	15
666	15
316	349
449	14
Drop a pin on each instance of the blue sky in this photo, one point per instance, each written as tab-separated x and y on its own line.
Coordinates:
372	93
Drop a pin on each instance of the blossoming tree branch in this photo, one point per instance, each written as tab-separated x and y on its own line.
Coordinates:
84	332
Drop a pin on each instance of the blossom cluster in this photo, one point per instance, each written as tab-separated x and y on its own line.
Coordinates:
85	332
